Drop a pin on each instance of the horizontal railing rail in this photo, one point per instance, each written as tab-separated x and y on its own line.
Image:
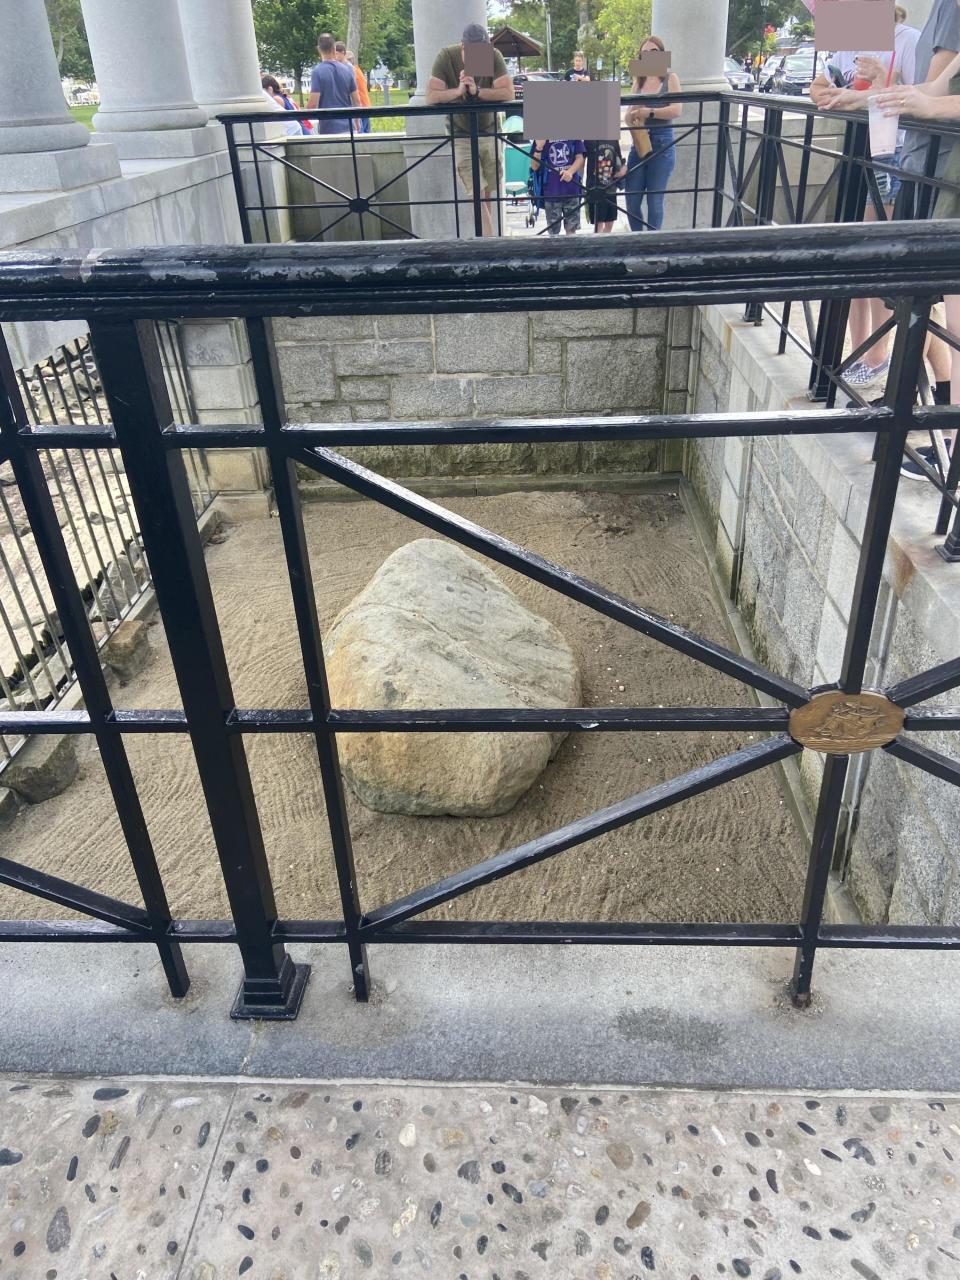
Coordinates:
117	293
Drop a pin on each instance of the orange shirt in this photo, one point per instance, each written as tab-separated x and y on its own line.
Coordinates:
362	87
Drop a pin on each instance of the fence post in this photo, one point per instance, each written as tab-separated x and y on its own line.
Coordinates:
475	172
720	170
766	189
832	322
133	385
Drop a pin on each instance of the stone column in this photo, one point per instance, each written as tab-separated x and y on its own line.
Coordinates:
146	100
222	55
436	23
42	147
696	36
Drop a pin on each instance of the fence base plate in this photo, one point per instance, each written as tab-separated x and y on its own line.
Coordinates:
285	1010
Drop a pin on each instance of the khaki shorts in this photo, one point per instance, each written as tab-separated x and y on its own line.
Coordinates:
491	163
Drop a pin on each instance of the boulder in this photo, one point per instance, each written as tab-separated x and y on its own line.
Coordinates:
435	628
43	767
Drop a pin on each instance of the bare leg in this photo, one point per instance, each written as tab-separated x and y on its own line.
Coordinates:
486	217
952	306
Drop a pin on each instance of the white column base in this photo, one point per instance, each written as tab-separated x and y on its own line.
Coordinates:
166	144
58	170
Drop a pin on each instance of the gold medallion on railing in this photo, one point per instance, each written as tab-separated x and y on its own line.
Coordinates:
844	723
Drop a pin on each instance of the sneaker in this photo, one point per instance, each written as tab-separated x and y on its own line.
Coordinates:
929	455
862	373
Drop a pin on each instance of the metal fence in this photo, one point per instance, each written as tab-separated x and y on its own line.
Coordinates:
739	175
117	294
94	508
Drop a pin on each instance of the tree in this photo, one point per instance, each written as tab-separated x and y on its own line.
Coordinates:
287	31
625	25
355	10
387	36
69	39
529	16
746	21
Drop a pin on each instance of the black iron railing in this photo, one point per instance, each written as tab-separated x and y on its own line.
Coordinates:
119	293
738	174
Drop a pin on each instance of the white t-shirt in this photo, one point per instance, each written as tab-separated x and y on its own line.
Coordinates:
904	60
292	126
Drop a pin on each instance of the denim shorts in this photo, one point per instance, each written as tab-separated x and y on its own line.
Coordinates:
888	184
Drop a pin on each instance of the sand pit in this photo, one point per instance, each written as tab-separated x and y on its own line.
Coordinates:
733	854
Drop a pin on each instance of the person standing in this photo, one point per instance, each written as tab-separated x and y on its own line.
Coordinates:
449	82
867	315
653	154
579	69
332	84
362	89
562	185
605	168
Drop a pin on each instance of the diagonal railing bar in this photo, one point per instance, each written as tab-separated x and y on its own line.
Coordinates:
937	718
664	795
925	758
567	583
75	896
939	679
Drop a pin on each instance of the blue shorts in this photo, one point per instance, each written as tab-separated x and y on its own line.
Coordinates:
888	184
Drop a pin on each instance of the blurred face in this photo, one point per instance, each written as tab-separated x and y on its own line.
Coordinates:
578	58
649	46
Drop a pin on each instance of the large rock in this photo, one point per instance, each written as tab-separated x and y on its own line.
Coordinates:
434	628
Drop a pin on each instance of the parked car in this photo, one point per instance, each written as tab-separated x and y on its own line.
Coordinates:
520	80
737	78
796	74
772	64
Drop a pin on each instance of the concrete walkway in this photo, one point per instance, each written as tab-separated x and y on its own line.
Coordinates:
159	1179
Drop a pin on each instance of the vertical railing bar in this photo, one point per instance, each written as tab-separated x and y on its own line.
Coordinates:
68	602
136	392
818	875
453	170
720	164
697	162
242	210
263	204
904	363
287	495
475	171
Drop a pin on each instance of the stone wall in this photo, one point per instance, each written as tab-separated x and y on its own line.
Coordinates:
448	367
786	514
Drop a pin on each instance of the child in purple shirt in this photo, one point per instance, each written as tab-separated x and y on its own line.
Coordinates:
562	185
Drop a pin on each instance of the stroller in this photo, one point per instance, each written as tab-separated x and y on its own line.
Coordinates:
535	185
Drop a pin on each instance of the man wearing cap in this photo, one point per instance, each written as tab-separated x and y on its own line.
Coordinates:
450	82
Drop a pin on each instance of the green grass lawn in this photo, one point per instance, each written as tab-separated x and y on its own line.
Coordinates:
397	124
84	114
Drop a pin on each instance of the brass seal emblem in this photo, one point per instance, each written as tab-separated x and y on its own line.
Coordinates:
844	723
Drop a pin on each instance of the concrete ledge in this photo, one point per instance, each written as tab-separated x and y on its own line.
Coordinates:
717	1017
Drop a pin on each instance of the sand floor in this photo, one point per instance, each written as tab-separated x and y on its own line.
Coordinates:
733	854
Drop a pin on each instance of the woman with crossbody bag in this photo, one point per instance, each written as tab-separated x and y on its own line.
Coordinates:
653	154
